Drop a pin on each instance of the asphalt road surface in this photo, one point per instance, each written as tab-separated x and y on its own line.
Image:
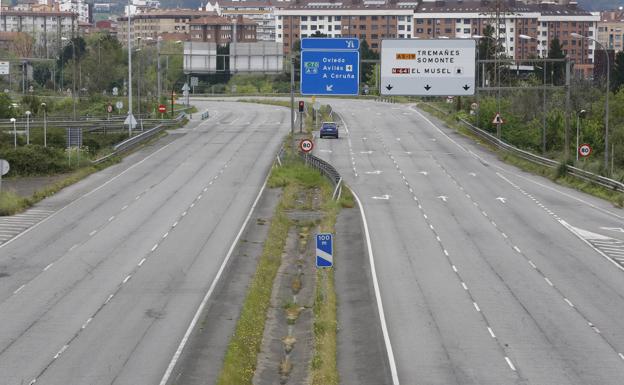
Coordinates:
103	291
487	275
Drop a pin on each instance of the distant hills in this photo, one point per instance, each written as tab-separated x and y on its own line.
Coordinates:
599	5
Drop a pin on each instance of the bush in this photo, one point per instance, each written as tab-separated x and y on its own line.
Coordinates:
35	160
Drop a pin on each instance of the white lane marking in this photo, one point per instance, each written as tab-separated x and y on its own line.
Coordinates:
380	309
84	325
199	197
517	249
205	189
504	235
127	278
92	233
192	205
464	286
621	355
165	235
575	232
141	262
184	213
125	207
425	216
511	365
491	332
568	302
137	197
548	281
476	306
454	267
19	289
174	224
111	218
155	247
73	247
446	252
438	238
48	267
431	227
109	298
57	355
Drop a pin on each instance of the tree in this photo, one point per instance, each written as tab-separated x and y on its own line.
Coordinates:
367	68
23	45
5	106
557	70
617	78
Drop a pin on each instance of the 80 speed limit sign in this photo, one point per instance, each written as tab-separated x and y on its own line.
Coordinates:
584	150
306	145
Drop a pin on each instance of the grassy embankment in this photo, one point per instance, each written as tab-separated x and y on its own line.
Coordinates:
557	175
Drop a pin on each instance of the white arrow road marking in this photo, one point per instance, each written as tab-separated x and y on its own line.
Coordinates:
472	174
433	139
398	139
443	197
618	229
425	173
364	138
502	200
376	172
366	152
325	151
383	197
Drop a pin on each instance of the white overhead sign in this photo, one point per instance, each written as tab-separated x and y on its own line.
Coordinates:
435	67
4	67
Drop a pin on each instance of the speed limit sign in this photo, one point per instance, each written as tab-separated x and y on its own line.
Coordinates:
306	145
584	150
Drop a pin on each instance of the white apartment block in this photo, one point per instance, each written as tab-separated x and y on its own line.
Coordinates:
261	12
79	7
47	28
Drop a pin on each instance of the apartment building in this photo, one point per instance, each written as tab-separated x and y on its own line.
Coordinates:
221	30
261	12
158	22
46	27
83	9
370	20
611	30
542	22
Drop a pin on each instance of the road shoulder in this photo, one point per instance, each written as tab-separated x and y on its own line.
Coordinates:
362	357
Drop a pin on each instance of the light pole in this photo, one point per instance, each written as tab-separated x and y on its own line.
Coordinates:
482	77
71	41
527	37
606	118
27	127
579	115
45	125
130	118
13	120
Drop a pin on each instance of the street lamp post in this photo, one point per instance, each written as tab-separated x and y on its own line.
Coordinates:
71	41
579	115
606	118
13	120
482	77
130	116
45	125
27	127
527	37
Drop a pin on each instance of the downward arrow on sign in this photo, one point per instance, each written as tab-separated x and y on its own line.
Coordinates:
427	87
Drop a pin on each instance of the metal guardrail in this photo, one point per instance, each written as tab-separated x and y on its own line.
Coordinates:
138	139
574	171
326	169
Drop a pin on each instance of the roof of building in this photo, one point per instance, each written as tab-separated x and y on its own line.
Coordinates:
244	4
169	14
12	12
471	6
220	20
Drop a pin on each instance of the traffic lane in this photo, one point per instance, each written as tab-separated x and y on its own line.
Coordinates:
537	363
159	300
27	257
475	270
577	272
149	211
441	296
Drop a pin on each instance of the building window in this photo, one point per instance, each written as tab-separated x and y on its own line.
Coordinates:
362	17
329	27
401	36
304	18
401	28
374	45
337	18
362	27
466	21
305	27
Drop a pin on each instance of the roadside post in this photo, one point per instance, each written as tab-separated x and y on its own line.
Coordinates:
498	120
301	109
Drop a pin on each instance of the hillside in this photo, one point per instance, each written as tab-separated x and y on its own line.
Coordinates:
597	5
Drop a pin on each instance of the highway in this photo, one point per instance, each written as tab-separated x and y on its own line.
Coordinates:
104	289
487	274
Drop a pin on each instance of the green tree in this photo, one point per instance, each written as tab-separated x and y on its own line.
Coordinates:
6	111
556	70
617	74
367	69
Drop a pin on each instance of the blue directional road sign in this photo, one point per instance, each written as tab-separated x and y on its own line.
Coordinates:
330	43
324	250
330	72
